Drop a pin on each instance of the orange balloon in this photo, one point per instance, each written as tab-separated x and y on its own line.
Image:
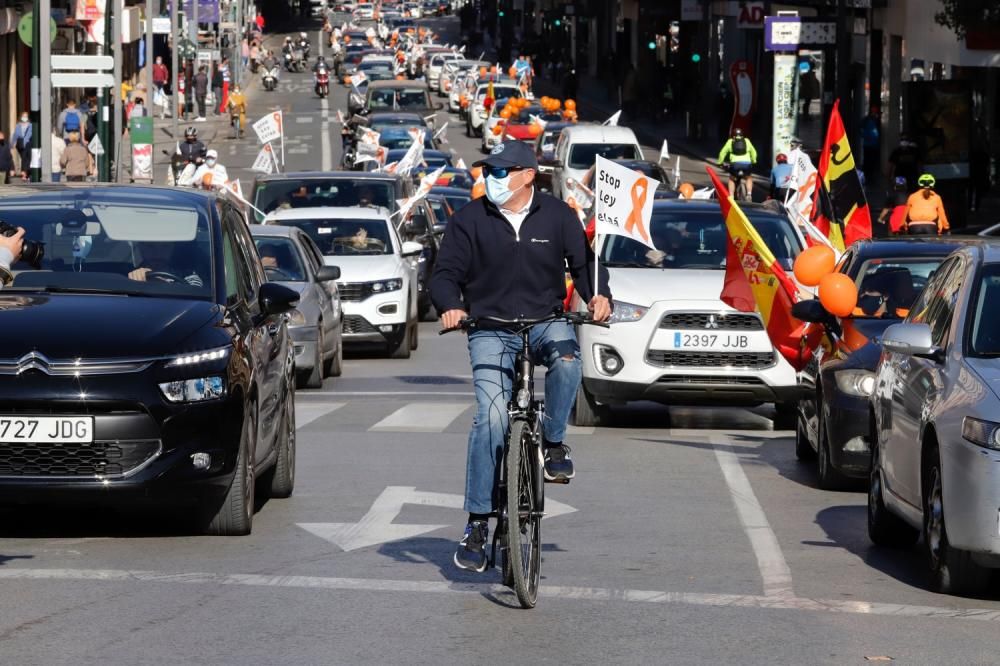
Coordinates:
482	71
838	294
570	105
478	190
814	263
506	113
512	72
686	190
534	130
493	69
497	129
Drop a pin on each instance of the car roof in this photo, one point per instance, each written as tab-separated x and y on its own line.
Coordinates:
306	175
910	246
398	115
375	85
273	230
330	212
712	206
599	134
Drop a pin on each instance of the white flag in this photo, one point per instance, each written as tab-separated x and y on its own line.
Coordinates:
441	132
677	172
613	120
265	160
801	186
413	158
535	120
704	193
624	202
460	164
664	152
269	128
234	187
340	117
357	79
426	183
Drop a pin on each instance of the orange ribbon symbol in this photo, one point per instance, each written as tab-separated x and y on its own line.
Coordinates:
640	190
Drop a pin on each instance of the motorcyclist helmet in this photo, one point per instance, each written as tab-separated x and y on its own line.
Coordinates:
302	35
287	39
190	134
737	133
926	180
781	158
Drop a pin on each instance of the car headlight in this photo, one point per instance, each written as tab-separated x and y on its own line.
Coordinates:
194	390
196	358
395	284
295	318
626	312
859	383
981	433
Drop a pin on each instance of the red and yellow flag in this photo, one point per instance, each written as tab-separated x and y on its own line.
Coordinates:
756	281
840	200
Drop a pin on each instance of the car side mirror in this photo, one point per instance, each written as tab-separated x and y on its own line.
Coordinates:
412	249
276	299
912	340
439	228
328	274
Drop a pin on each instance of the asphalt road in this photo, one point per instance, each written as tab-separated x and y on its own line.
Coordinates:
688	536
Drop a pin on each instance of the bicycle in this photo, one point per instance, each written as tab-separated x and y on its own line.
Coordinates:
739	173
521	481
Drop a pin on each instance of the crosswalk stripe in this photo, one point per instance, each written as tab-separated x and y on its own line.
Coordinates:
422	417
306	413
303	120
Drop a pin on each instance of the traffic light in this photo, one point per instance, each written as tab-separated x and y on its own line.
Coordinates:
500	13
557	23
696	57
651	46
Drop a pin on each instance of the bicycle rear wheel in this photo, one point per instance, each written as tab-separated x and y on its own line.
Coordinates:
524	520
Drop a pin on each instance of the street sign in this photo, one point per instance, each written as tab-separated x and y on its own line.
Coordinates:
90	63
161	25
785	102
24	29
789	33
95	146
82	80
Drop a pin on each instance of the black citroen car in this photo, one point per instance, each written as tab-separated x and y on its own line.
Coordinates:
144	357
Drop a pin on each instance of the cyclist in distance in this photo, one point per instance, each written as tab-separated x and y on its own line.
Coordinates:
505	255
740	155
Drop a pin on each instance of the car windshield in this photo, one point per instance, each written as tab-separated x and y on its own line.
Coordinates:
584	155
696	240
500	93
984	338
344	236
315	192
648	169
153	244
369	67
396	122
887	288
412	99
397	139
281	259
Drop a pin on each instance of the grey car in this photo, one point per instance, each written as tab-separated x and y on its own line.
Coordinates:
936	408
292	259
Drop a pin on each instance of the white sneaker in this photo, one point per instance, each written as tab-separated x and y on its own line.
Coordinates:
199	119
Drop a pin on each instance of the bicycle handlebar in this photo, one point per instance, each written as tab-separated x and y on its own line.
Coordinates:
520	324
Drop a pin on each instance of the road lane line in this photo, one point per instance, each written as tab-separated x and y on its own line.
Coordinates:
306	413
770	560
555	592
388	393
422	417
324	132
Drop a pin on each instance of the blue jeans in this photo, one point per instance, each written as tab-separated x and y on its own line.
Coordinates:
492	353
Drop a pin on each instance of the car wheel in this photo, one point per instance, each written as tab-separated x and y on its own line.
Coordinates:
335	367
414	336
314	377
401	350
885	528
234	517
786	415
468	130
803	449
829	477
587	412
952	571
283	475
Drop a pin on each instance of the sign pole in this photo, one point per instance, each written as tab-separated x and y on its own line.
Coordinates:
44	9
597	261
117	132
174	62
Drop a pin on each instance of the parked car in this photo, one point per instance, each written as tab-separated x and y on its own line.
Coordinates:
291	258
378	273
311	189
672	340
936	440
145	357
578	148
833	424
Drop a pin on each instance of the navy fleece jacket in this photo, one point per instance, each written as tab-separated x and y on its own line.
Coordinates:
486	269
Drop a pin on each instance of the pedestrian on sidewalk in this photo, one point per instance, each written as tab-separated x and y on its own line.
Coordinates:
76	161
58	148
6	161
22	142
925	211
201	91
217	81
781	177
259	22
70	119
245	52
894	211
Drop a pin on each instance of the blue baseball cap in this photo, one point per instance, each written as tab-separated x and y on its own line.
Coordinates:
510	154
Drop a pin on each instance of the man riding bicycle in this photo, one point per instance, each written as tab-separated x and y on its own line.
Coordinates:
505	255
740	155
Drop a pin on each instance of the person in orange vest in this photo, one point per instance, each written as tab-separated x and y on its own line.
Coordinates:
925	211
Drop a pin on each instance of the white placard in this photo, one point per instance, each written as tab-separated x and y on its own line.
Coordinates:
624	201
269	128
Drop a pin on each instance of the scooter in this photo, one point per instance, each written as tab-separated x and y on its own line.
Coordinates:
322	82
304	46
289	61
298	60
270	79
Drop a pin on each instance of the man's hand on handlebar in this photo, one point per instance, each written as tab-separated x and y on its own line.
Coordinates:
452	318
600	308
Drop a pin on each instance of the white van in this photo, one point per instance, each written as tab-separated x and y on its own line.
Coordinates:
579	146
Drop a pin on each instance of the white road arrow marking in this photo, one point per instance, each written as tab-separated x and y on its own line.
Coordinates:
376	526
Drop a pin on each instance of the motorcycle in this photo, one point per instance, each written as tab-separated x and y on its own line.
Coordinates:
303	45
289	61
322	82
270	79
298	60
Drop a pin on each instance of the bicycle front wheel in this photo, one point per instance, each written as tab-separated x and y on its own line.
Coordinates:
524	520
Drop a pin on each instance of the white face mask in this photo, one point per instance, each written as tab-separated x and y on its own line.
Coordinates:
498	190
24	119
210	162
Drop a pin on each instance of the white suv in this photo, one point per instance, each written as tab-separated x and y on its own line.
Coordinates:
378	272
672	340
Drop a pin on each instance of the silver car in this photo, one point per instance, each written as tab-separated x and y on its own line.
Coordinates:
291	258
936	454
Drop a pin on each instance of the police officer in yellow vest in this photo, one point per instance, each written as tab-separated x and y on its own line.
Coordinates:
740	156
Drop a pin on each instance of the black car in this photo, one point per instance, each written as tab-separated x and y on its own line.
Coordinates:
834	416
457	197
312	189
145	356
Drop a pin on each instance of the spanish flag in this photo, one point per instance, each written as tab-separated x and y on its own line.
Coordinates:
841	207
755	281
